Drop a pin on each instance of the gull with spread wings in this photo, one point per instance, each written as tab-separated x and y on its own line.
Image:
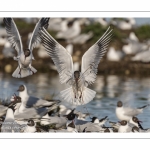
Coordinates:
24	57
78	93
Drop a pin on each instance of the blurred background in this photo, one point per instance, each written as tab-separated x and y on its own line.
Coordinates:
123	73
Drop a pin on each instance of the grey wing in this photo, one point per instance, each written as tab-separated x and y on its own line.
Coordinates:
13	35
31	113
80	122
43	22
92	57
60	56
37	102
132	111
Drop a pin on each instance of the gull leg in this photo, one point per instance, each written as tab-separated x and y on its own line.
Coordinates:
20	70
31	69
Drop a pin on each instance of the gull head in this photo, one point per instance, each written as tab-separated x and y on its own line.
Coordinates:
27	53
119	104
107	130
123	122
76	75
30	123
71	115
135	129
136	120
21	88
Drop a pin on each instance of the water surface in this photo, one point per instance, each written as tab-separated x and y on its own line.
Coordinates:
133	91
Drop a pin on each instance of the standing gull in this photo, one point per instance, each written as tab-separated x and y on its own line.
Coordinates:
78	93
126	113
24	57
30	101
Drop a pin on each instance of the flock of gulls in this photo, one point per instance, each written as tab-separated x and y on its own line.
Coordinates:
26	113
73	35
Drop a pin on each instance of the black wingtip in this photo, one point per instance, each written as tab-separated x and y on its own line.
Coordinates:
7	20
44	22
84	130
143	106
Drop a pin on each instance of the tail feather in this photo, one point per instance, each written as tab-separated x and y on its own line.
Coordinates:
23	72
88	95
68	96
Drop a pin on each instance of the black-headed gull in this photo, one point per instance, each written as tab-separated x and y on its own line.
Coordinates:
30	127
124	127
100	122
9	124
126	113
30	101
24	57
78	93
58	122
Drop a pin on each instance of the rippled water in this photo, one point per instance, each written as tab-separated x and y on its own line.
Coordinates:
132	91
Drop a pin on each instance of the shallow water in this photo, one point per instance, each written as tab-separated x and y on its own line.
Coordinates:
134	92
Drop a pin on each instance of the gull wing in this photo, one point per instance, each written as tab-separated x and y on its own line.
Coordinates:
132	111
92	57
43	22
60	56
13	34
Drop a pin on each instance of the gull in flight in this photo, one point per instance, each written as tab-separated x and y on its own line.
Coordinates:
77	93
24	57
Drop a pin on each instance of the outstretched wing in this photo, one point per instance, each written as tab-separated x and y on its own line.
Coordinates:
43	22
60	56
92	57
13	34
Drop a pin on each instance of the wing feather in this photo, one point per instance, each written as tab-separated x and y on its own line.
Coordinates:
92	57
13	34
35	39
60	56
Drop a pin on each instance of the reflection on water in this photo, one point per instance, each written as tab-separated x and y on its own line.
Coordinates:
132	91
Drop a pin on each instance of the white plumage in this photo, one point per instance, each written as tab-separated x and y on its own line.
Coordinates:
78	93
24	58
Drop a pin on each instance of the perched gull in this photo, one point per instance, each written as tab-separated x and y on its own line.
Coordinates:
30	101
134	47
59	122
57	24
32	113
25	57
9	124
71	32
22	111
82	38
127	24
30	127
142	56
135	121
132	38
126	113
78	93
63	110
100	122
114	55
102	21
55	120
124	127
